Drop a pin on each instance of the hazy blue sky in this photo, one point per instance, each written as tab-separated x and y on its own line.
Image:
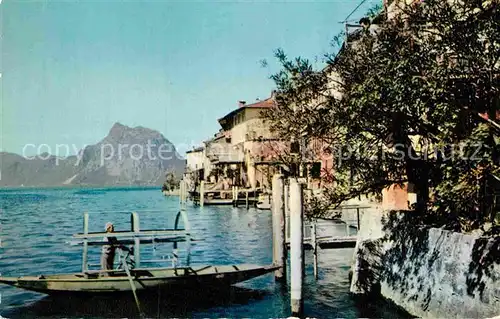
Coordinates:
71	69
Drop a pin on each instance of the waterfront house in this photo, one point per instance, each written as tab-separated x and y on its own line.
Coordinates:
195	163
195	159
254	150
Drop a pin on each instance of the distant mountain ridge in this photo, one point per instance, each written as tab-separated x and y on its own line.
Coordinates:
126	156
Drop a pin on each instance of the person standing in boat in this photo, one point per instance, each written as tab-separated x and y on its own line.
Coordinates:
108	251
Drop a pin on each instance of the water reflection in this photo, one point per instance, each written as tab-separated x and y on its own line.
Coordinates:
37	224
153	304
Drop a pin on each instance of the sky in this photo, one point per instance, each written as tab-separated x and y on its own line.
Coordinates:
71	69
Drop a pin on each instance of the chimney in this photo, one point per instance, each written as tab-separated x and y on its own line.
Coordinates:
241	103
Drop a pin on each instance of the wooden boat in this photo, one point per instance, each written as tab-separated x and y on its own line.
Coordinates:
126	278
195	277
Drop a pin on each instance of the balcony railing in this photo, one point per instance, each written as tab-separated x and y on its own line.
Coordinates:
226	157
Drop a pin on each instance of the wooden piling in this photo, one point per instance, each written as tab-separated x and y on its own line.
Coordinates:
357	213
279	241
180	194
246	200
134	221
85	242
183	192
286	192
296	247
314	236
236	194
202	193
186	193
232	195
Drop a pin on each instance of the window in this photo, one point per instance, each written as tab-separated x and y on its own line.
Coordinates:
239	118
295	148
315	170
294	169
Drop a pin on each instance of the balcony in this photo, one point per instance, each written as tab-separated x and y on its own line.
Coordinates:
226	156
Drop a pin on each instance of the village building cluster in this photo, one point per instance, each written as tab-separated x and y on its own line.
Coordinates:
243	153
246	154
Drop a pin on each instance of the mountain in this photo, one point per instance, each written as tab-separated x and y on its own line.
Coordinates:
126	156
19	171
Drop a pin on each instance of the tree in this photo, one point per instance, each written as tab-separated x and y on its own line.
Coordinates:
171	183
412	99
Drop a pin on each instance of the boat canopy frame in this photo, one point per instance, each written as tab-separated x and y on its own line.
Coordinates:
136	236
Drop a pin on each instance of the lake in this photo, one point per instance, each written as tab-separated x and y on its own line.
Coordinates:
37	225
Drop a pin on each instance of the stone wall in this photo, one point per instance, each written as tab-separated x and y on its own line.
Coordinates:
429	272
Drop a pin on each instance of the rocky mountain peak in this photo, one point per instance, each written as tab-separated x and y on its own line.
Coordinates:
126	156
123	133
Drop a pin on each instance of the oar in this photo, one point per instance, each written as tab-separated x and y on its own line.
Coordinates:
131	284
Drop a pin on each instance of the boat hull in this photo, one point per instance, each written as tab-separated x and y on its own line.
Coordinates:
143	279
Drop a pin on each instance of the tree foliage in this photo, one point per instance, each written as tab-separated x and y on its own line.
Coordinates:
171	182
414	98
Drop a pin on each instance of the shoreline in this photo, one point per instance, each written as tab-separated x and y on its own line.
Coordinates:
115	187
175	192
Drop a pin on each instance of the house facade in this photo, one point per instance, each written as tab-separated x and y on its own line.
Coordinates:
195	159
253	144
243	153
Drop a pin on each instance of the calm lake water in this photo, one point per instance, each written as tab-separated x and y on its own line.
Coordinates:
37	225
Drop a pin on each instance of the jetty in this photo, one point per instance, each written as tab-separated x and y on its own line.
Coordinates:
235	196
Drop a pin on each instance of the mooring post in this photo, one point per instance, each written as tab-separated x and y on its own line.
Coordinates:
85	242
296	247
286	195
232	195
134	221
236	193
202	193
315	249
246	199
357	213
279	241
183	192
180	194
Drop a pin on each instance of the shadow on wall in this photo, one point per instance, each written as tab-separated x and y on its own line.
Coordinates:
410	242
485	255
376	261
409	260
369	258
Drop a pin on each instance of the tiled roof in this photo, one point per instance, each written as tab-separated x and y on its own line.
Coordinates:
265	104
194	150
